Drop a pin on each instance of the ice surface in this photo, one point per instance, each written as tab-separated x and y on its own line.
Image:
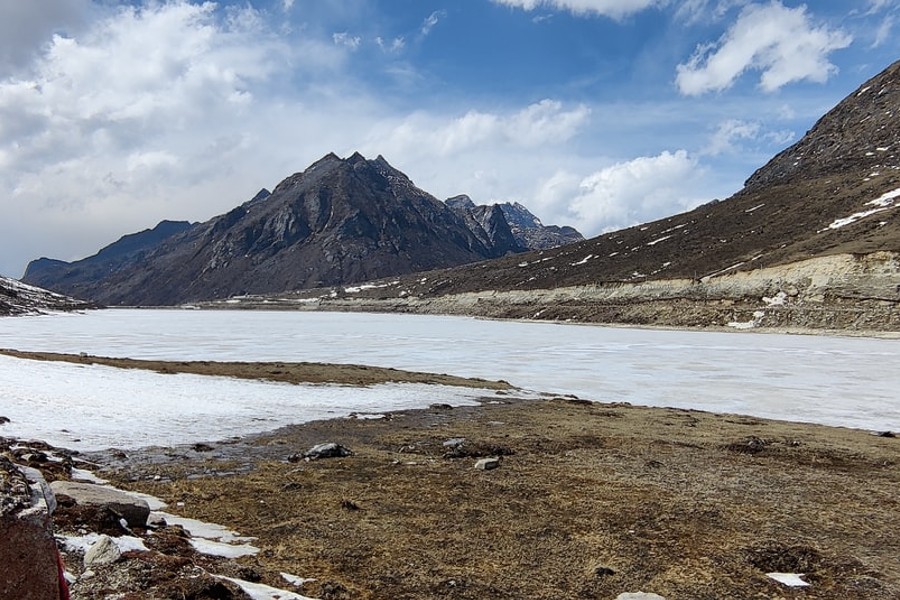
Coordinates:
831	380
94	407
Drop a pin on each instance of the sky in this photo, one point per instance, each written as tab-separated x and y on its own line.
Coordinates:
599	114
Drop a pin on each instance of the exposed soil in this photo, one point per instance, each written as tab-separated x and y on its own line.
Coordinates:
590	500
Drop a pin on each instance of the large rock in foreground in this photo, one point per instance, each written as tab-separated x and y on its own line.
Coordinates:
29	564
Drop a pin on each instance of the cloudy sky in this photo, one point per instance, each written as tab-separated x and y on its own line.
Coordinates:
596	113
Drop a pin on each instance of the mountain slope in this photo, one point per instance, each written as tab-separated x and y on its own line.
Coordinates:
835	191
812	240
78	277
340	221
17	298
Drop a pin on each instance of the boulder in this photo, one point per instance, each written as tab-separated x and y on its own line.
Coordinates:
28	555
102	552
486	464
134	510
327	450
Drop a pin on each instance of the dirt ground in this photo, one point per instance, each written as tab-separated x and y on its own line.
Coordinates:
293	372
590	500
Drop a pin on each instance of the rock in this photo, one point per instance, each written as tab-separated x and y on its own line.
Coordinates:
639	596
886	434
28	554
133	509
486	464
4	420
327	450
102	552
603	571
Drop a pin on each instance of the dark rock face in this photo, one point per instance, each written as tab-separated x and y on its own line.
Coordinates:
533	234
340	221
511	227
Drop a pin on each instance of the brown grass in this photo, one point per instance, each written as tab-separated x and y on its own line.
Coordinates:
590	501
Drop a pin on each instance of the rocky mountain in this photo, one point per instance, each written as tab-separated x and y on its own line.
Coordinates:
514	225
17	298
125	253
338	222
815	231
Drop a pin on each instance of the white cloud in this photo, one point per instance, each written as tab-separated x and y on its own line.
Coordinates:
145	114
728	132
623	194
395	45
782	43
345	39
431	20
287	5
615	9
545	122
884	31
694	11
25	26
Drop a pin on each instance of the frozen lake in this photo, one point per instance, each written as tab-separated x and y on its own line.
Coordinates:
852	382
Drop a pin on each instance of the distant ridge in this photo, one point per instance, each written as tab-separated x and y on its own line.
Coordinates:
339	221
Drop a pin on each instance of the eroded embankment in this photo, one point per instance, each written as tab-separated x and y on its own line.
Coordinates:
843	293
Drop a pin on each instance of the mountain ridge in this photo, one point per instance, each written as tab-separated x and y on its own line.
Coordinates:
339	221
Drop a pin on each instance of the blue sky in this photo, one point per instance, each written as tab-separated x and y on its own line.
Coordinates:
595	113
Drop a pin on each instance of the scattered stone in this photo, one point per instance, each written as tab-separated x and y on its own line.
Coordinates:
478	450
886	434
102	552
133	509
200	447
603	571
440	406
486	464
751	445
327	450
639	596
4	420
454	442
292	486
349	505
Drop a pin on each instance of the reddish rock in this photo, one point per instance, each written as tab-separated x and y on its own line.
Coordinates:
28	553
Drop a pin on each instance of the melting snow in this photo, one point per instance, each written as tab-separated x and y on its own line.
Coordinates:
882	203
81	543
583	260
788	579
658	240
757	207
258	591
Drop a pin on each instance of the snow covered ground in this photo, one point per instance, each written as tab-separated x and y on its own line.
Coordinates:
838	381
